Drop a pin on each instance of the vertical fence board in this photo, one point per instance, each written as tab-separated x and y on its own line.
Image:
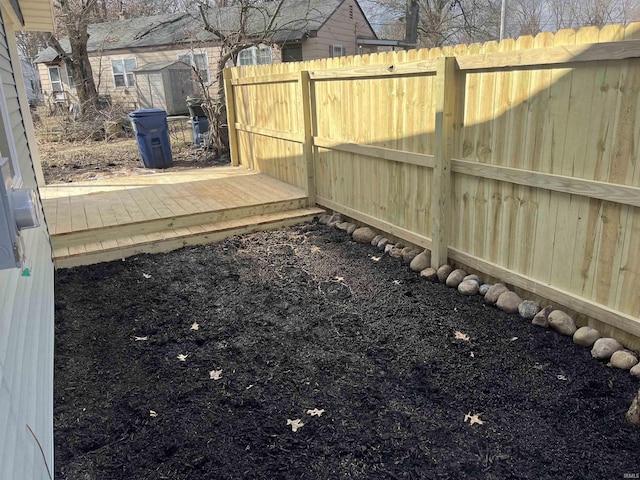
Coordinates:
576	120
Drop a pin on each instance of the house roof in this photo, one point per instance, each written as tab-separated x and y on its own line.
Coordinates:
297	19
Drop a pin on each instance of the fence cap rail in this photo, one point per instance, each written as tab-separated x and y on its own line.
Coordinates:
274	78
418	67
539	57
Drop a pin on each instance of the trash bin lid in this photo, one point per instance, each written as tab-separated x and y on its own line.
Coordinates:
148	112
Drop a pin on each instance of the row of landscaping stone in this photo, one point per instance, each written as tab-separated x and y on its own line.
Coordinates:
602	348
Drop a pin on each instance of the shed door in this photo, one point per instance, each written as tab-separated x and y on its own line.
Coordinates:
156	90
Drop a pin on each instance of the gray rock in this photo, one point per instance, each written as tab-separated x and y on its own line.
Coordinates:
430	274
336	217
388	247
468	287
484	288
443	272
528	309
421	261
352	228
494	292
333	224
562	323
635	371
541	319
603	348
473	276
455	278
375	240
343	225
586	336
509	302
623	359
363	235
408	254
395	252
382	243
324	219
400	245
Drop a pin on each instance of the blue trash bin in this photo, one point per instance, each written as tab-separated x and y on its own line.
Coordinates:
152	133
199	127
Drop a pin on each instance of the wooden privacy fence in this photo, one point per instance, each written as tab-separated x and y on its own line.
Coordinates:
517	159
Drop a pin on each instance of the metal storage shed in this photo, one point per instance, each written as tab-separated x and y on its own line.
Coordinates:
165	85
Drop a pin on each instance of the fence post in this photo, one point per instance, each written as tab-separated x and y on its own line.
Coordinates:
231	117
307	147
446	93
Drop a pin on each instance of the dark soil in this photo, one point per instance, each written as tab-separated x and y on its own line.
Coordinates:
304	318
68	162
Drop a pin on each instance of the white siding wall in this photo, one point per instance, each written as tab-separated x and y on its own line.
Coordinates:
26	318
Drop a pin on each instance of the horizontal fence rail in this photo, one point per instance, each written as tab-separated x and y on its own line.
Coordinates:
516	159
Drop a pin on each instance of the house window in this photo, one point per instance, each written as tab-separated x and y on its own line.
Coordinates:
338	50
56	79
198	61
123	72
255	56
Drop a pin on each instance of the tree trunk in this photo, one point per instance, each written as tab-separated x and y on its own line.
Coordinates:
412	14
81	72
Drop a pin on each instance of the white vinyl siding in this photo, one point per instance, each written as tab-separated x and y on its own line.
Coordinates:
122	70
26	319
199	61
255	56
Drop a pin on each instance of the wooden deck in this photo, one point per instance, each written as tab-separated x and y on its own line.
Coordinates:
112	218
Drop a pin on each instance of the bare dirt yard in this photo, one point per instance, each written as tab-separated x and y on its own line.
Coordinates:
301	354
68	154
65	162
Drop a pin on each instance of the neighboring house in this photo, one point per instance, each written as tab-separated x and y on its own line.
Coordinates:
306	30
31	80
26	279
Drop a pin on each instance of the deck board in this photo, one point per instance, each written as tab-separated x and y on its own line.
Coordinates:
156	212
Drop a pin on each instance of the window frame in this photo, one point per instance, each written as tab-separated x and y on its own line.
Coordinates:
125	73
7	131
343	50
52	82
254	55
193	64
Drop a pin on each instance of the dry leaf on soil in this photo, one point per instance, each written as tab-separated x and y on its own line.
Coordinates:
513	339
461	336
215	374
475	418
182	357
146	275
140	339
375	259
339	279
315	412
315	249
153	413
295	424
195	326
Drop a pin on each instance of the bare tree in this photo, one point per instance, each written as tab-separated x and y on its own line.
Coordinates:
580	13
237	27
444	22
74	16
527	16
